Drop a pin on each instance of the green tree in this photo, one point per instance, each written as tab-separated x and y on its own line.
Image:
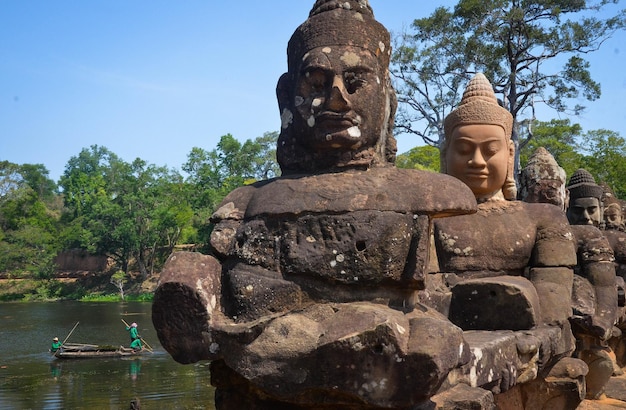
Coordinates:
425	157
28	228
37	177
213	174
605	158
560	138
131	212
119	279
517	44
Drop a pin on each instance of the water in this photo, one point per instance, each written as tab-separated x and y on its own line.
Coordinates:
30	378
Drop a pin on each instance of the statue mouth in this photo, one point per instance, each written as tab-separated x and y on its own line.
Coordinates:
337	121
477	175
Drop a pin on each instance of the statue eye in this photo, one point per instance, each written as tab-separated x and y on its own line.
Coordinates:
353	81
315	81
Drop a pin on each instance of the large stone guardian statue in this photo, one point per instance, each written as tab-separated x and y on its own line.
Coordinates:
310	296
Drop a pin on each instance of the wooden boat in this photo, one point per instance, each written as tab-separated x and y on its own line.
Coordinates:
85	351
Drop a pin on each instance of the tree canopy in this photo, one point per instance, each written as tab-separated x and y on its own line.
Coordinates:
532	52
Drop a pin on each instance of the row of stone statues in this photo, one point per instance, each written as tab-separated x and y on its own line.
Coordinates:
348	283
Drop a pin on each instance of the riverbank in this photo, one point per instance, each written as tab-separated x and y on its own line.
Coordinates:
76	285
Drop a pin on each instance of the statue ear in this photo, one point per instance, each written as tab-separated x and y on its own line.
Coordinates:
283	92
510	187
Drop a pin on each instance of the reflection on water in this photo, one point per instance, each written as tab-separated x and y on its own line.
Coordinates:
31	378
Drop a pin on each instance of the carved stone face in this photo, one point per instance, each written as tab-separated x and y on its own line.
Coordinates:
340	99
585	211
478	155
613	218
547	191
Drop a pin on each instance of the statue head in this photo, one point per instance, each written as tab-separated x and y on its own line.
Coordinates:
477	148
336	100
585	206
613	218
542	180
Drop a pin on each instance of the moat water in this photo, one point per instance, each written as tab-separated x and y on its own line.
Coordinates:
31	378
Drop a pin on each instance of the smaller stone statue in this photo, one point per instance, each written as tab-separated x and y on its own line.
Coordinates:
585	200
542	180
595	290
510	265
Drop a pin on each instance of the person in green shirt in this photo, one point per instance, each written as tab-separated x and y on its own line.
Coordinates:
135	339
56	345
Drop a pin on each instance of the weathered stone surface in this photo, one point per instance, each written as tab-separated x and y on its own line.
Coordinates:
382	189
555	246
553	286
462	397
256	292
365	353
502	359
505	241
616	389
497	303
563	388
542	180
185	304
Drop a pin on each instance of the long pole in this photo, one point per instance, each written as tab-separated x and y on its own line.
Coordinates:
140	338
68	336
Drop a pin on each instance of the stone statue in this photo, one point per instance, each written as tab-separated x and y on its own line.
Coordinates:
510	265
595	290
542	180
613	217
585	200
310	296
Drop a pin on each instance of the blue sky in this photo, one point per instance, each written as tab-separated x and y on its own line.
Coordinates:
152	79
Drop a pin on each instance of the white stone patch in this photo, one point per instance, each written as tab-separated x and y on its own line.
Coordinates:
490	377
286	118
327	50
401	329
474	292
316	102
354	132
310	239
311	121
478	355
214	348
333	264
351	58
461	349
329	137
381	45
340	258
347	6
377	80
249	288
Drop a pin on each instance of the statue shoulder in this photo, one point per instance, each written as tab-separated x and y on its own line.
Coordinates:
383	189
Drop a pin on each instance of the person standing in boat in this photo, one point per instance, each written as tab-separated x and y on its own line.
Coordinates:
56	345
135	339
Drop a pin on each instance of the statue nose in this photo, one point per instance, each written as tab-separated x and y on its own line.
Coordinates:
338	100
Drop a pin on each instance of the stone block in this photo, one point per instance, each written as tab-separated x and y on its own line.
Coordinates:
497	303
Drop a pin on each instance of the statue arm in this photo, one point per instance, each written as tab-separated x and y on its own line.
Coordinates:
188	301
